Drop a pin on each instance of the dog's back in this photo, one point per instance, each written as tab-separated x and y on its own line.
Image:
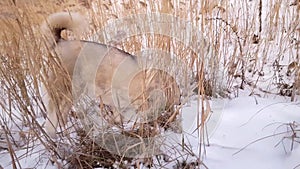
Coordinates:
96	70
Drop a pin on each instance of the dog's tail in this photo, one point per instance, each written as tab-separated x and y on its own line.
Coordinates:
57	22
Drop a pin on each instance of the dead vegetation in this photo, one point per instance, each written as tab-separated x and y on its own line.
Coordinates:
221	47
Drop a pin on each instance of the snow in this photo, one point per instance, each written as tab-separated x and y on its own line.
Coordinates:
244	132
244	121
28	158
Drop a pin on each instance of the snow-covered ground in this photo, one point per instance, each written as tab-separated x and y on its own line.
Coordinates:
253	133
249	132
245	132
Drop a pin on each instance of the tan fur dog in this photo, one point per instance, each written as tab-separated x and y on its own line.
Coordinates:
100	71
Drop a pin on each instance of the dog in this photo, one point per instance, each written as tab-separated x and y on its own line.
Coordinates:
100	71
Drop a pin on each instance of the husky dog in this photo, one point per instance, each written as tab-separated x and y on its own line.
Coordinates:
100	71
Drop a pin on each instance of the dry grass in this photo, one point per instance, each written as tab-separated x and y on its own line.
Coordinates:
240	47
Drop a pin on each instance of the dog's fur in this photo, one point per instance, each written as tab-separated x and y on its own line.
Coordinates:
117	75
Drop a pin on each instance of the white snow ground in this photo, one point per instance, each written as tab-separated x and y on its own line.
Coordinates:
248	119
236	124
249	132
